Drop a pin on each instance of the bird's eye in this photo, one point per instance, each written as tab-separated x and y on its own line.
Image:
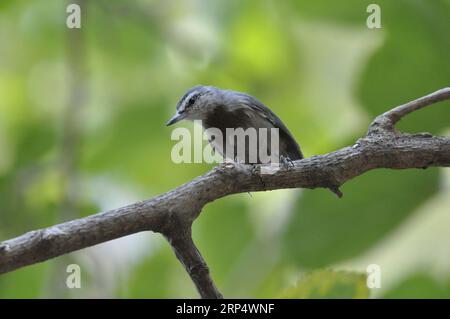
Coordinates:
192	100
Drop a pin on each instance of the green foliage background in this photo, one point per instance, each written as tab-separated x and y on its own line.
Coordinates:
82	130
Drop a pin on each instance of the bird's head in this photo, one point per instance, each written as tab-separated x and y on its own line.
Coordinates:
196	103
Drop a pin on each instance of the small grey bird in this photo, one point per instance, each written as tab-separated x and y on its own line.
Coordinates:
222	109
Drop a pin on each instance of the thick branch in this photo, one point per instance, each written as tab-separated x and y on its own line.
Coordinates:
172	213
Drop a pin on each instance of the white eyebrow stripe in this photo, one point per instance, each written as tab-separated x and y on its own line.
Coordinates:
186	99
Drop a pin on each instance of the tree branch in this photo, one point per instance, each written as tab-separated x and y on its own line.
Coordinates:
189	256
387	120
173	213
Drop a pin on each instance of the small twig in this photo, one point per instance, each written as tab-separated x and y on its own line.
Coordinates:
387	120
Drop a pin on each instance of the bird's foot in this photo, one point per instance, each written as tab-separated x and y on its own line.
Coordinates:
227	163
286	161
256	171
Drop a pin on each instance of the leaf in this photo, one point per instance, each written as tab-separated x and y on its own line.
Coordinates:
329	284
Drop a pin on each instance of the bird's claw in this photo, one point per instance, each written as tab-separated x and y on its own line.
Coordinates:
286	161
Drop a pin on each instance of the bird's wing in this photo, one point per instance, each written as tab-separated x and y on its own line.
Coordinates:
253	103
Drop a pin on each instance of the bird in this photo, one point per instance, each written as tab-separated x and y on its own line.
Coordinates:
229	110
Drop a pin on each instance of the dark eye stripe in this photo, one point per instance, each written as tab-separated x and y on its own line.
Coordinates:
193	99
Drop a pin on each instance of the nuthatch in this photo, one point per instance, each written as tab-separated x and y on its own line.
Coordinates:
222	109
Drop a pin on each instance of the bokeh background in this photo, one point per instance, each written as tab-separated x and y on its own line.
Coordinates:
82	116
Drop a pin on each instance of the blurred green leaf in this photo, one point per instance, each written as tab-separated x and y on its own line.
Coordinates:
329	284
123	31
34	141
348	12
419	285
273	282
325	229
157	269
27	282
129	144
413	62
222	234
5	4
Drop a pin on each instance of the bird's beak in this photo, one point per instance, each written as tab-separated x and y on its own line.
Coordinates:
176	118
